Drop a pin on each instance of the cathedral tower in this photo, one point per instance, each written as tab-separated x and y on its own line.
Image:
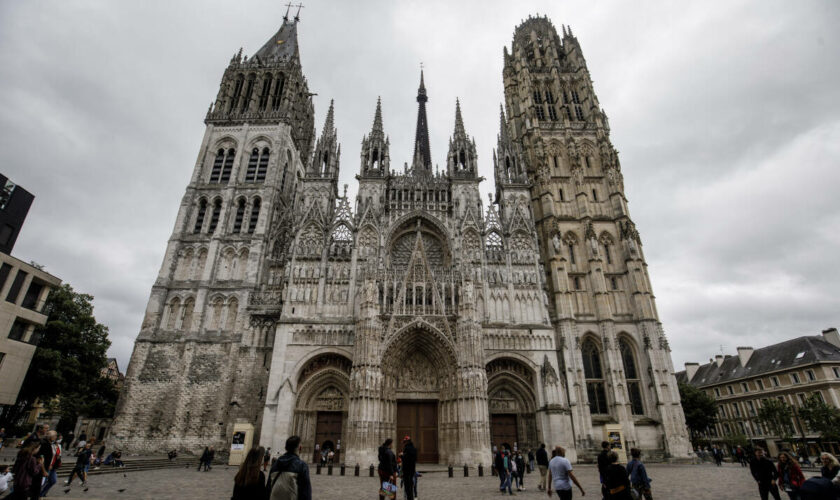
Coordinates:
602	306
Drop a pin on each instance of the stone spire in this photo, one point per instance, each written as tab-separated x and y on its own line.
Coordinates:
283	45
329	122
325	159
462	159
375	157
459	122
421	140
377	120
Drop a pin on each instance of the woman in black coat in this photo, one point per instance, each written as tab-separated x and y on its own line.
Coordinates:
249	483
616	483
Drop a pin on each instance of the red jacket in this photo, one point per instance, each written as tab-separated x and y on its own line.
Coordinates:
796	476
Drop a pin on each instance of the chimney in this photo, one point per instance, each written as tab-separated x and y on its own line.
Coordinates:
719	359
691	370
745	353
831	336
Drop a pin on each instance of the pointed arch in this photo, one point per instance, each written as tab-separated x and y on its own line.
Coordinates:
201	261
231	314
594	374
172	314
189	310
628	351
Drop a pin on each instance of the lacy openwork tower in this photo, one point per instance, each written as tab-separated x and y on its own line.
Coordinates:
283	305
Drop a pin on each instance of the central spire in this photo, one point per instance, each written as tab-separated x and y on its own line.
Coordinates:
422	155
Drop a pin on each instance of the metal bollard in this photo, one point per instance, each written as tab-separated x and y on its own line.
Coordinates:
318	469
450	470
371	470
466	471
342	469
329	470
480	470
357	470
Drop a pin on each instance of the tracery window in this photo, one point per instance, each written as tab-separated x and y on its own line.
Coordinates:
538	105
594	378
263	166
249	91
277	97
189	307
214	217
255	216
199	218
258	165
631	376
228	166
216	172
237	91
174	310
240	216
266	89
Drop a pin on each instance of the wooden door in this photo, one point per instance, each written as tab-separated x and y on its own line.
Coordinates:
419	421
328	431
503	430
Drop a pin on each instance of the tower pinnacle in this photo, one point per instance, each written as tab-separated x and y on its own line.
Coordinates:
422	154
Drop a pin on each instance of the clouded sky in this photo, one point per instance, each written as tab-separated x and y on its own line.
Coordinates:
726	116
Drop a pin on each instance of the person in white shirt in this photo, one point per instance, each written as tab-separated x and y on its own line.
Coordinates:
5	477
559	475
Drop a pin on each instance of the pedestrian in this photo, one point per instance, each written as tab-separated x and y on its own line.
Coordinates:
99	454
559	475
330	456
28	472
532	464
506	471
520	471
5	477
51	451
741	455
82	440
289	476
387	465
249	482
409	466
717	453
803	456
830	466
639	479
203	458
603	464
117	454
616	484
37	435
499	467
80	469
266	458
209	464
765	474
790	475
542	464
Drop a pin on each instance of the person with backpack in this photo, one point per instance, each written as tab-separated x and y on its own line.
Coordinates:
249	483
765	474
639	479
289	476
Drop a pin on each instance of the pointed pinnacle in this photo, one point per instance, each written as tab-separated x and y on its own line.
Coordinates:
377	117
459	121
329	123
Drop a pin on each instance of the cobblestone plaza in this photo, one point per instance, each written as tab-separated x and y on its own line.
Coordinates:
698	482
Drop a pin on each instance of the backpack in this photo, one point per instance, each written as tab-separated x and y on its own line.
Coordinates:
284	486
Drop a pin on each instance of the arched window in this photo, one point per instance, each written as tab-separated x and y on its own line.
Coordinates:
263	166
189	307
199	218
249	91
237	91
216	172
571	253
607	252
201	262
216	314
594	378
494	241
631	376
253	160
240	216
214	217
266	90
277	97
232	310
174	310
228	166
255	216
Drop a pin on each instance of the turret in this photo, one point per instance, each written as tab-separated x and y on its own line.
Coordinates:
376	160
324	162
422	153
462	161
509	167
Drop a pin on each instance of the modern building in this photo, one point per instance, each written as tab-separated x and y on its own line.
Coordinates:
23	292
789	371
284	307
14	206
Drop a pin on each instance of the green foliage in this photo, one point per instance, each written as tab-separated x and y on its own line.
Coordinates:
821	417
776	416
699	408
68	361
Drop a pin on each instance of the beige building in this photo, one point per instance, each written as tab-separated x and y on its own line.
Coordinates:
284	306
23	290
789	371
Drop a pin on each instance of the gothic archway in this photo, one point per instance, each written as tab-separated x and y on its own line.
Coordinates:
512	403
320	416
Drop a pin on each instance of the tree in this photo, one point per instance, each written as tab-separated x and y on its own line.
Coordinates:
776	416
699	408
821	417
66	367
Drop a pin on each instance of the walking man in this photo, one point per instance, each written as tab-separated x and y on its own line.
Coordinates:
764	473
289	476
542	463
603	465
51	451
559	474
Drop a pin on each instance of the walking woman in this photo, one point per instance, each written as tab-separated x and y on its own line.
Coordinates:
830	466
520	471
638	475
249	483
790	475
203	459
28	472
616	484
387	465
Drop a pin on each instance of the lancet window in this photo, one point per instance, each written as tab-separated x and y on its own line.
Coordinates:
594	378
255	216
214	217
199	218
631	375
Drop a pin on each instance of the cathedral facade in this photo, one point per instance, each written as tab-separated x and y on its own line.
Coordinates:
415	308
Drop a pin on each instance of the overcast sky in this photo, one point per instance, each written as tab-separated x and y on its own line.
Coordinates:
726	116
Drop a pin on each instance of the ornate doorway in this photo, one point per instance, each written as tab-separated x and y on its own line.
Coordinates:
328	433
503	430
419	420
512	403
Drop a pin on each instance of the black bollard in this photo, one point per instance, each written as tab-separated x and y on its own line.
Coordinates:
318	469
466	471
342	469
371	470
357	470
329	469
450	470
480	470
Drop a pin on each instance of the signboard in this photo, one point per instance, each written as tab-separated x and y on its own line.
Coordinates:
238	441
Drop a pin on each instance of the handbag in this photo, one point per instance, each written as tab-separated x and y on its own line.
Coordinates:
388	490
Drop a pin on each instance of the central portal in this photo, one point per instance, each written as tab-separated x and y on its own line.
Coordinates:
420	421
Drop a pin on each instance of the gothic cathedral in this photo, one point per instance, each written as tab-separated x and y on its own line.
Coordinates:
413	309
